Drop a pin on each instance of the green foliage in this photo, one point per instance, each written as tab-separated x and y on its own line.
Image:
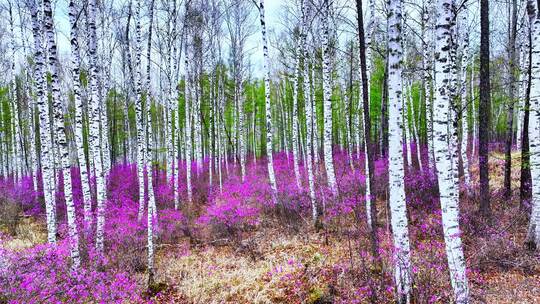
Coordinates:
83	77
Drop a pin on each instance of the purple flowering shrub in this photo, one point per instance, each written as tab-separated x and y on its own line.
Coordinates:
42	274
243	210
232	209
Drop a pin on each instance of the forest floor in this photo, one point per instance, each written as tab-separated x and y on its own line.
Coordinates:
294	263
271	264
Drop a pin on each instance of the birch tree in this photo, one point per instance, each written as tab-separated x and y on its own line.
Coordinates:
327	97
75	77
268	110
533	234
464	92
396	173
47	165
449	195
95	139
60	132
188	98
152	210
17	139
427	76
295	138
139	109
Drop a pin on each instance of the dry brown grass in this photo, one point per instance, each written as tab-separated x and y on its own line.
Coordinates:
226	274
29	232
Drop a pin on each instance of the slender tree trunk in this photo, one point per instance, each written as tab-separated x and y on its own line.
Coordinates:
327	103
139	110
46	156
427	62
396	173
533	234
510	117
3	160
371	207
150	134
175	160
484	110
366	124
464	93
75	75
152	210
60	134
188	98
17	139
268	109
415	129
405	121
523	78
95	146
295	141
449	194
525	180
465	129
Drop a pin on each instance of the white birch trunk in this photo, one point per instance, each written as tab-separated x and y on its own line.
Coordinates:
187	140
104	125
464	94
396	173
240	133
32	145
371	28
427	62
453	86
327	104
533	235
95	140
149	156
60	134
47	169
407	129
295	141
141	149
152	210
268	109
362	119
308	101
75	76
17	140
174	159
523	78
449	195
474	117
